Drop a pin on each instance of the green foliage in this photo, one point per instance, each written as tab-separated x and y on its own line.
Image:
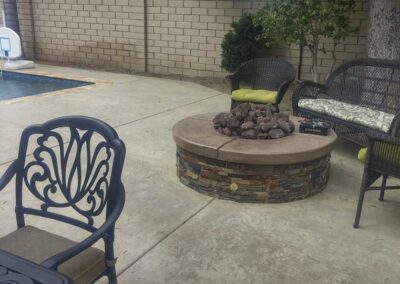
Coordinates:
306	22
243	43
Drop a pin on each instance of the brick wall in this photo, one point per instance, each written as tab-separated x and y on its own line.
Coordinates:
184	36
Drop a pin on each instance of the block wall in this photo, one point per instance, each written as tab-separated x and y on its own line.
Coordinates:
184	36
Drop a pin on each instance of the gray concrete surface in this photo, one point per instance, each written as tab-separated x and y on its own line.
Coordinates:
171	234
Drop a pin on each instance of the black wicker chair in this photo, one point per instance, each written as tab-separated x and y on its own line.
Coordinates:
272	74
369	83
76	166
382	160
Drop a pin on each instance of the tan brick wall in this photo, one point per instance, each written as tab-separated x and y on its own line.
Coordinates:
106	33
184	36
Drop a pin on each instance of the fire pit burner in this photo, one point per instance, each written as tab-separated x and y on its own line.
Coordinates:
254	121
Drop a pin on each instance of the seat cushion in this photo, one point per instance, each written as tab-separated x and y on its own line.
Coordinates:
37	245
374	119
255	96
362	155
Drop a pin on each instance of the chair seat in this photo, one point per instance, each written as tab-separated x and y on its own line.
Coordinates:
375	119
255	96
37	245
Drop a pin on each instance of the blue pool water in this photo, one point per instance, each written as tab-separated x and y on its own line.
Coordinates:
15	85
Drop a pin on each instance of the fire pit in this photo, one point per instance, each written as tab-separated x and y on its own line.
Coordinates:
264	169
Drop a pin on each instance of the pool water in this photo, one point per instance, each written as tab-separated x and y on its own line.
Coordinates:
15	85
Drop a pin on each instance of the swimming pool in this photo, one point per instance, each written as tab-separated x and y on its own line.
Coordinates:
15	85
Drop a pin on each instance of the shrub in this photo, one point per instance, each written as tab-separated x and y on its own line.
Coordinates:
246	41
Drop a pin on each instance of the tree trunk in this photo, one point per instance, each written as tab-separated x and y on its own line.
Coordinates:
314	67
383	30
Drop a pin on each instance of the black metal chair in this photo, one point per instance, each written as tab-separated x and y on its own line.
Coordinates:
382	160
76	165
273	74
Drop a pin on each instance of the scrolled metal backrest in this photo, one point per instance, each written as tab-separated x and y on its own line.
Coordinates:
76	163
372	83
266	73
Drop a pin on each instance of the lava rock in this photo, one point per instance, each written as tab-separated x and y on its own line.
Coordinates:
276	133
226	131
284	126
249	134
247	125
254	121
267	126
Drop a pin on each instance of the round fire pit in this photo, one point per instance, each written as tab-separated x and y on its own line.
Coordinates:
250	170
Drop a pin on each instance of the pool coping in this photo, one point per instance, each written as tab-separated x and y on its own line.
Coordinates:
95	84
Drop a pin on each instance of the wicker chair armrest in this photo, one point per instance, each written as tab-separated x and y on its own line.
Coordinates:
395	126
307	89
8	175
383	151
282	90
234	80
101	233
374	136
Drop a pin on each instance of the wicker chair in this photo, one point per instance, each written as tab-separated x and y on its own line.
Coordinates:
271	74
75	167
370	84
382	160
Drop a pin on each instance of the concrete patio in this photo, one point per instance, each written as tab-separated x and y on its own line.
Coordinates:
171	234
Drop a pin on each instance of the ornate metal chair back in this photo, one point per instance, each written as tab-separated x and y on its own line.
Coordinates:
72	167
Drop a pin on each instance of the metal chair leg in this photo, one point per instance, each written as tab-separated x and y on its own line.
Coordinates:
359	208
382	194
112	276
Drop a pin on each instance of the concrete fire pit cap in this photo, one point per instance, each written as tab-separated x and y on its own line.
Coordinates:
197	135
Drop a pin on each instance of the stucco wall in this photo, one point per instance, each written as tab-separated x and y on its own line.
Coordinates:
184	36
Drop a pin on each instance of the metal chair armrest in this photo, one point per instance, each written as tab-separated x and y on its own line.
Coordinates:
54	261
9	174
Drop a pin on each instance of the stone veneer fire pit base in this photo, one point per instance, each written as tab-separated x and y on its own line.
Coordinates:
252	183
244	170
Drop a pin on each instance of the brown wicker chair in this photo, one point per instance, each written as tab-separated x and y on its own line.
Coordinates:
382	160
268	73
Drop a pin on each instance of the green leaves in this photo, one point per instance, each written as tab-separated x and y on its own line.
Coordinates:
306	22
247	40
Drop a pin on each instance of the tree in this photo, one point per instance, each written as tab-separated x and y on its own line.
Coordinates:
384	25
307	22
243	43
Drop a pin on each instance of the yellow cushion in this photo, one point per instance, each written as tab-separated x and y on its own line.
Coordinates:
255	96
362	154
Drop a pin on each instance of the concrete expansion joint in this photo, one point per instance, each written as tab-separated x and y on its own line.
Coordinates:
166	236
